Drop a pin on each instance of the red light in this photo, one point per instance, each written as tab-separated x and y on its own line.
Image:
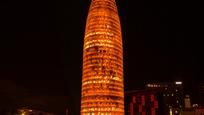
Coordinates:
143	100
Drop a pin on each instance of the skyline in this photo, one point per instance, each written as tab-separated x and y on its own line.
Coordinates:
160	39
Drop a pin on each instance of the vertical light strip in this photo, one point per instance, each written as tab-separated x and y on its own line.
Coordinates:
102	80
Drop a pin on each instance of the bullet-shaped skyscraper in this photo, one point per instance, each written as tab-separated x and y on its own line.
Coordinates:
102	80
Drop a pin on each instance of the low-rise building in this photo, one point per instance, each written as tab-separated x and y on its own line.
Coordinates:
25	111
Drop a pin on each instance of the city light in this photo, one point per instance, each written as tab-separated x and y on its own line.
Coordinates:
170	111
178	82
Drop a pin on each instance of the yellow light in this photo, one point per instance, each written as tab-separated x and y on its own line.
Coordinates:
170	111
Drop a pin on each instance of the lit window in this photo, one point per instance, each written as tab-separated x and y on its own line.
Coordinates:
178	82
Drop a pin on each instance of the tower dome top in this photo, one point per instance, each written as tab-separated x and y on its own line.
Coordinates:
103	4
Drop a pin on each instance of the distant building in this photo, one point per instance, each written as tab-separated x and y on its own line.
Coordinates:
170	95
193	111
187	102
141	103
157	99
25	111
199	111
201	94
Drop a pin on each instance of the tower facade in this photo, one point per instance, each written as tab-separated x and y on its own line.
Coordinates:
102	80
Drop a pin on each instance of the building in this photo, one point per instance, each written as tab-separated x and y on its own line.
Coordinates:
141	103
150	102
187	102
26	111
102	79
201	94
193	111
170	96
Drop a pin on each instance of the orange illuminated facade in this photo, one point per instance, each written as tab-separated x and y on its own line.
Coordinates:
102	80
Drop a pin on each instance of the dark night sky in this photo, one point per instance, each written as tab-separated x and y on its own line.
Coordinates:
41	48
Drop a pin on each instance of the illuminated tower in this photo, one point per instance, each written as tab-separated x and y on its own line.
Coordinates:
102	80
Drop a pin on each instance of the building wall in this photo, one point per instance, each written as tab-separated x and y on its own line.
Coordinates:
141	104
188	113
201	93
199	111
193	111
